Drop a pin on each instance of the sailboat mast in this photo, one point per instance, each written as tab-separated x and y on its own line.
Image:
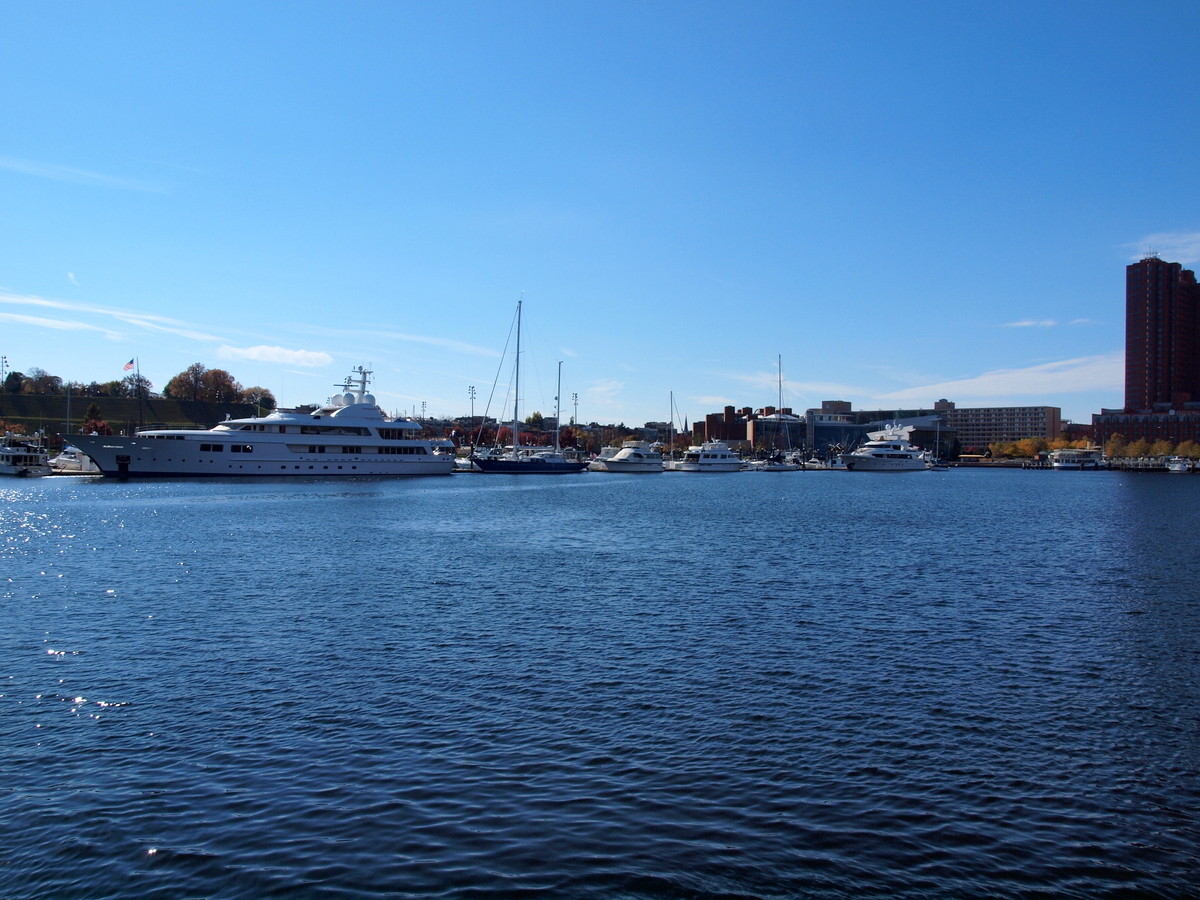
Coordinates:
557	414
517	379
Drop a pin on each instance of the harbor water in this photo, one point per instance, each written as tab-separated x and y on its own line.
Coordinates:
813	684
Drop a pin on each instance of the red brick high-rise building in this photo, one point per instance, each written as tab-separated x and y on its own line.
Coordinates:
1162	357
1162	333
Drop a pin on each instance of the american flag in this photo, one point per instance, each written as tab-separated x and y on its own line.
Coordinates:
127	366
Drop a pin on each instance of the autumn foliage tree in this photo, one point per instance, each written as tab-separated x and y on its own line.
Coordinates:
199	383
259	396
92	423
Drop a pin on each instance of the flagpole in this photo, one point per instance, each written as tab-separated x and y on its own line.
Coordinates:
137	363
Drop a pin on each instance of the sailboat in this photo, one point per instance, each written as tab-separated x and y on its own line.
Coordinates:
778	462
531	460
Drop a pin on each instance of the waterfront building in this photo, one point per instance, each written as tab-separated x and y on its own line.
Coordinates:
836	426
1162	356
1161	322
977	427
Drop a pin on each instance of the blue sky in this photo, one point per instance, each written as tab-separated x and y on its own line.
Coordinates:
903	201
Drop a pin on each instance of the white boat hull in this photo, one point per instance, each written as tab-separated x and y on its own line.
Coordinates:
868	464
142	457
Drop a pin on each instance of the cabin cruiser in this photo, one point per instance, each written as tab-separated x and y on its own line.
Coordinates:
711	456
22	457
1180	465
349	435
888	450
73	461
1072	458
775	463
631	456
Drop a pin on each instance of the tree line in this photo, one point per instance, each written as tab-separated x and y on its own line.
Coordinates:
196	382
1117	447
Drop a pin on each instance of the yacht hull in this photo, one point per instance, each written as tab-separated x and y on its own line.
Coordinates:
529	466
137	457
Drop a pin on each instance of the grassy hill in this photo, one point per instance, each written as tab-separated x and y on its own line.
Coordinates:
49	411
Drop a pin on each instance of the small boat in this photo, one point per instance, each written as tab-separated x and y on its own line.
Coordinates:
888	450
816	464
23	458
631	456
711	456
1074	458
776	463
73	461
348	435
1180	465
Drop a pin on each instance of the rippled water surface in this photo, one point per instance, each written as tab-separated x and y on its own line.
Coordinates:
753	685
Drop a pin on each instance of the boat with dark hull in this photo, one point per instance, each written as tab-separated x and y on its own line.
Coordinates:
520	460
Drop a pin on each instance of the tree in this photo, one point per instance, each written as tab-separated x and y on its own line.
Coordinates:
14	383
1137	449
218	386
92	423
135	386
1114	447
187	385
534	420
1190	449
199	383
39	381
1161	448
259	396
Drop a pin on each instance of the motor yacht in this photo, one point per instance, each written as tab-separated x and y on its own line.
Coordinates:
888	450
348	435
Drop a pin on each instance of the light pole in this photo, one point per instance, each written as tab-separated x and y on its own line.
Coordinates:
575	402
471	394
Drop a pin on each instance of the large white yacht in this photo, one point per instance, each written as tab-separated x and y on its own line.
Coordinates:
349	435
711	456
887	451
633	456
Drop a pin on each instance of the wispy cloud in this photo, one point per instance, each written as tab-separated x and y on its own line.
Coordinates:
359	334
57	324
1173	246
1031	323
312	359
143	321
1085	373
76	176
606	389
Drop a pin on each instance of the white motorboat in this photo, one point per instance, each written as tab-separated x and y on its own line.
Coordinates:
711	456
349	435
888	450
816	464
600	462
777	463
73	461
1181	465
1074	458
22	457
631	456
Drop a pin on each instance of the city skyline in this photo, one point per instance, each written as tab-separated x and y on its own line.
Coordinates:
904	203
